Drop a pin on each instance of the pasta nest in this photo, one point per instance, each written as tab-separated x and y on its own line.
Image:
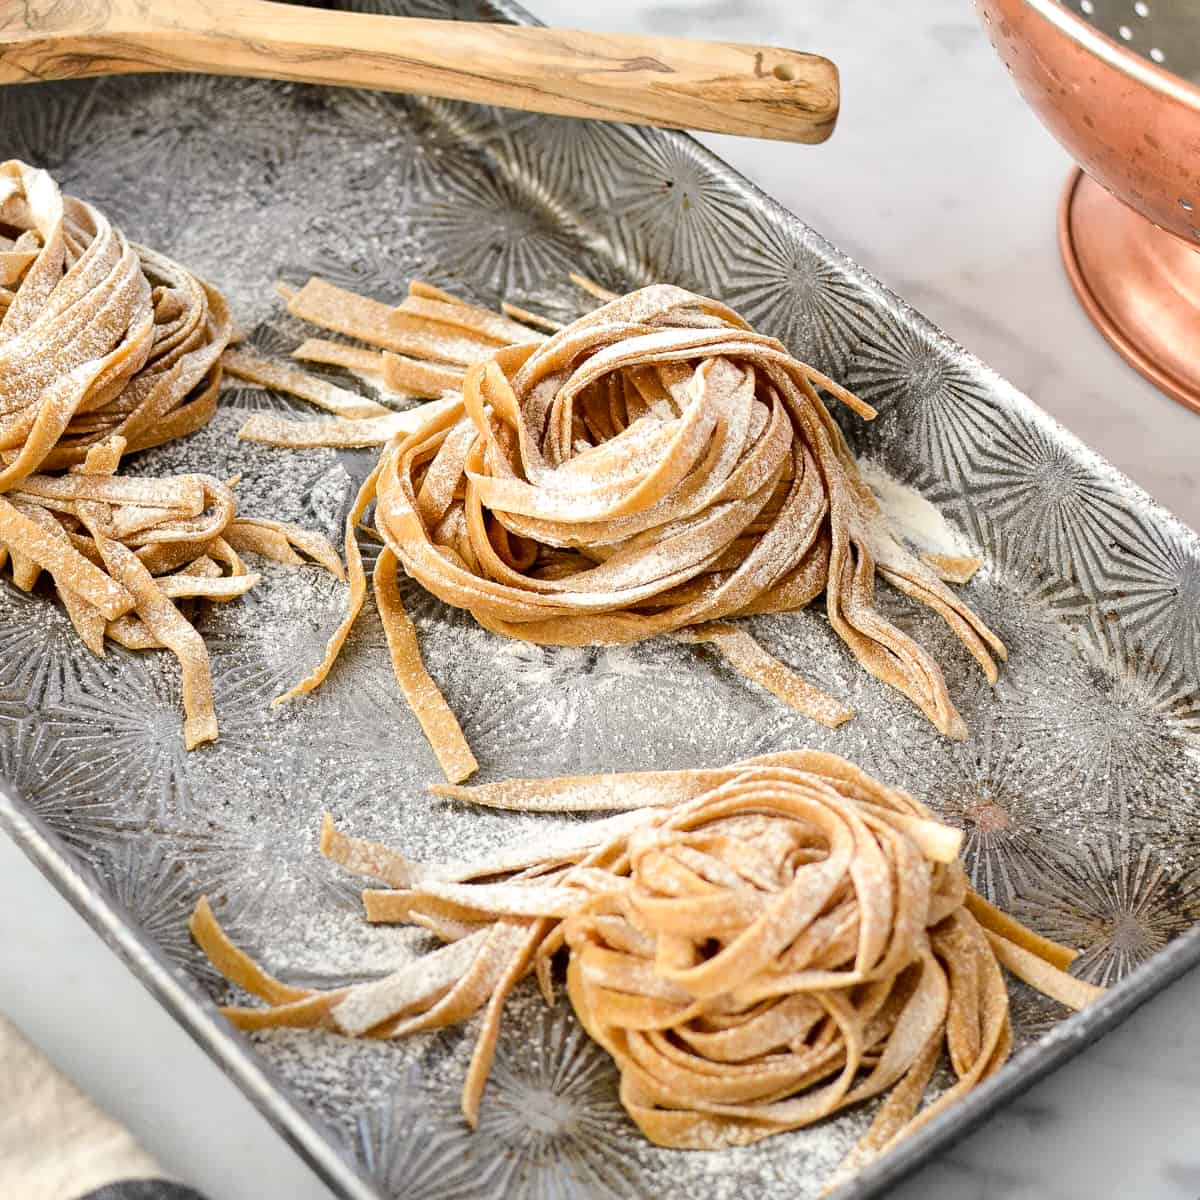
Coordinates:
100	337
757	946
788	943
107	347
658	467
654	467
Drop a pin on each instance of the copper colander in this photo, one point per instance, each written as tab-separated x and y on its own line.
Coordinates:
1118	83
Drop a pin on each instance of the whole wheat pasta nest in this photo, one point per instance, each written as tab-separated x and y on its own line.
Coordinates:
107	347
757	946
655	467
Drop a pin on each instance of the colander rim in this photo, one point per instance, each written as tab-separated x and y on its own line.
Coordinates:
1112	52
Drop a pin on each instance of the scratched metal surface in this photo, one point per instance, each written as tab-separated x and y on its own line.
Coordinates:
1077	790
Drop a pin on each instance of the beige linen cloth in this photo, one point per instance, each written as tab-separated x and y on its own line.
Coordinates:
55	1144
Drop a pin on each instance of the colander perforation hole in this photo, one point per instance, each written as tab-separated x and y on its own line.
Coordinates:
1163	32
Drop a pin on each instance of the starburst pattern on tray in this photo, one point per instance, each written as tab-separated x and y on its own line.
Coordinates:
180	137
38	646
278	631
1033	1014
551	1114
251	398
406	1150
556	704
505	721
270	876
262	489
490	235
806	642
934	411
468	10
1154	591
14	702
61	789
1121	736
120	717
679	211
1048	513
275	337
1004	799
785	283
49	128
152	884
534	666
551	1126
426	610
1002	807
468	126
380	119
260	745
369	253
280	642
1119	904
569	158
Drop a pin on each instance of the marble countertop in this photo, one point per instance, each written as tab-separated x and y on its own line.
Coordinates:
944	185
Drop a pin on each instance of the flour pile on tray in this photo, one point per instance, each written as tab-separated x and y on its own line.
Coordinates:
757	947
107	348
655	467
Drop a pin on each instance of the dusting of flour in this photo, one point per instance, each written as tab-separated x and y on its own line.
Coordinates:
912	516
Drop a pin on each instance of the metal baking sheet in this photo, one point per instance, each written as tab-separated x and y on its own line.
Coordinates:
1078	788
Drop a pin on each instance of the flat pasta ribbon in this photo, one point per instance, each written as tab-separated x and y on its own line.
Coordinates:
655	467
757	947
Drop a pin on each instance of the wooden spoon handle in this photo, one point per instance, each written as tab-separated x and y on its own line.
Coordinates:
721	87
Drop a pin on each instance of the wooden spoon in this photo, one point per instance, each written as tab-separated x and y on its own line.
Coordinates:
756	91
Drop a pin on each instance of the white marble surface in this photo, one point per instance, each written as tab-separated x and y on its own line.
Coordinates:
941	183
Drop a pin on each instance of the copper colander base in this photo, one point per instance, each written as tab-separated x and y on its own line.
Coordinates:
1139	284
